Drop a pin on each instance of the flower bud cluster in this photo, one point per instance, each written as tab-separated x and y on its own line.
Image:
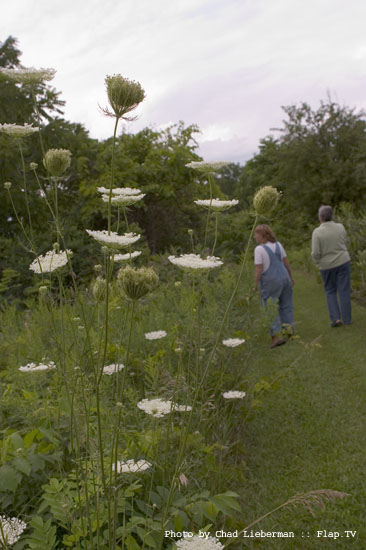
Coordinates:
57	161
136	283
265	200
123	96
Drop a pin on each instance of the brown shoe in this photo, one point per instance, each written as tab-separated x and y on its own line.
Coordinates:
276	342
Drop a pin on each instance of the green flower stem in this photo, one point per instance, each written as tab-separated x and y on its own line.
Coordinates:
209	211
25	190
74	430
38	120
112	177
106	330
126	220
116	431
216	232
42	188
57	222
118	218
32	248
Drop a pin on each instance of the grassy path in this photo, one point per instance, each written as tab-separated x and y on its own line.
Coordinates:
311	432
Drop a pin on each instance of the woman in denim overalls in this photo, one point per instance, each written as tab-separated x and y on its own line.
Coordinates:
273	276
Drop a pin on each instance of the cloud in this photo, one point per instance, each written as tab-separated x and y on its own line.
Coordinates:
226	66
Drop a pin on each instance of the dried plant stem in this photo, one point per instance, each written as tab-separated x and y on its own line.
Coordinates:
309	500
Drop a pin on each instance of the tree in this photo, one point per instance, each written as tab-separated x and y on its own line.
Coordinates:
154	162
16	106
318	158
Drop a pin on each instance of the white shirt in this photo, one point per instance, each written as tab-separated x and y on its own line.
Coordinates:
261	256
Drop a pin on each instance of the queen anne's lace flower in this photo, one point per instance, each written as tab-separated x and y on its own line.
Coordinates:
29	75
123	200
233	342
217	204
33	367
111	369
194	261
159	408
234	394
126	257
10	531
202	166
50	261
199	543
120	191
112	239
17	130
131	466
155	335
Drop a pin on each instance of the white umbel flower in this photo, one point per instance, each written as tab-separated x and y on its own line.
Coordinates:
120	191
130	466
126	257
233	342
234	394
18	130
10	531
155	335
206	167
111	369
123	200
51	261
195	262
112	239
159	408
33	367
199	543
29	75
217	204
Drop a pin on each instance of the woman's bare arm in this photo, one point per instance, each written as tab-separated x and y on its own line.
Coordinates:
258	274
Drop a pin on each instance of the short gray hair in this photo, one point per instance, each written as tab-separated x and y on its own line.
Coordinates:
325	213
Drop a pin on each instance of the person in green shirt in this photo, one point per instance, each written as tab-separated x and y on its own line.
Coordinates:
330	255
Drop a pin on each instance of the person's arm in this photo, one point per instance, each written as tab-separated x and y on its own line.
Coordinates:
258	274
287	266
315	249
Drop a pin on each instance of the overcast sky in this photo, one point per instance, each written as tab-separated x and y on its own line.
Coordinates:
225	65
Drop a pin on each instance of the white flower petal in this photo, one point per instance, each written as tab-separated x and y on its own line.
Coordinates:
194	261
234	394
50	261
33	367
113	239
217	204
131	466
233	342
155	335
113	368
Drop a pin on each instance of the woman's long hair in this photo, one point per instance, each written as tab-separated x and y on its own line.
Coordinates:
266	232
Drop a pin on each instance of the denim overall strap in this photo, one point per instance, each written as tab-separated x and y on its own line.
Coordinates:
272	280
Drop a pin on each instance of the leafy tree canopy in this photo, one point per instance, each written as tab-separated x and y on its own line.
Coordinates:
318	157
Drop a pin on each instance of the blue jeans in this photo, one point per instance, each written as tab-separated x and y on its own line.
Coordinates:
282	293
337	281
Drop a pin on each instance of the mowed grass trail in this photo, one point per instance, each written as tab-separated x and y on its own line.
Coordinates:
311	432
